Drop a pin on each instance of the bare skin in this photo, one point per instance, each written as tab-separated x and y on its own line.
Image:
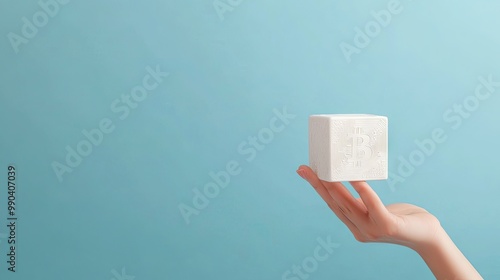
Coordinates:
370	220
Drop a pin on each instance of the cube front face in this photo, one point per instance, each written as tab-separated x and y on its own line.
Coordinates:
348	147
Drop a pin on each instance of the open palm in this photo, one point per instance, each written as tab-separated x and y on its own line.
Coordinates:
369	219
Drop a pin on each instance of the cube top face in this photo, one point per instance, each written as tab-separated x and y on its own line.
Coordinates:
348	147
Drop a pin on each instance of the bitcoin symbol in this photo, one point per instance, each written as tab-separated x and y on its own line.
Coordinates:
359	149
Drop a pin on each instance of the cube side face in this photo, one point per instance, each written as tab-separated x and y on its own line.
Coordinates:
348	147
359	149
320	146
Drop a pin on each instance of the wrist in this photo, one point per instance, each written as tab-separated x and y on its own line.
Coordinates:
438	240
444	258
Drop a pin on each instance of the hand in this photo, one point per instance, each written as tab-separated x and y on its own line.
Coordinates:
405	224
369	220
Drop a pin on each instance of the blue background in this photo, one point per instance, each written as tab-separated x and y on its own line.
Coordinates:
120	207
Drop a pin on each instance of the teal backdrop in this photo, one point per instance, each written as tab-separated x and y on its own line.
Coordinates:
159	139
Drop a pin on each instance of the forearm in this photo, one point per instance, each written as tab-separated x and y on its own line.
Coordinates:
445	260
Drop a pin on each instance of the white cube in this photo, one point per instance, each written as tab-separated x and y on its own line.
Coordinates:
351	147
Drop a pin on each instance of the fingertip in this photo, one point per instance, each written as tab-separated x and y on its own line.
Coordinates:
357	182
304	170
301	173
303	167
